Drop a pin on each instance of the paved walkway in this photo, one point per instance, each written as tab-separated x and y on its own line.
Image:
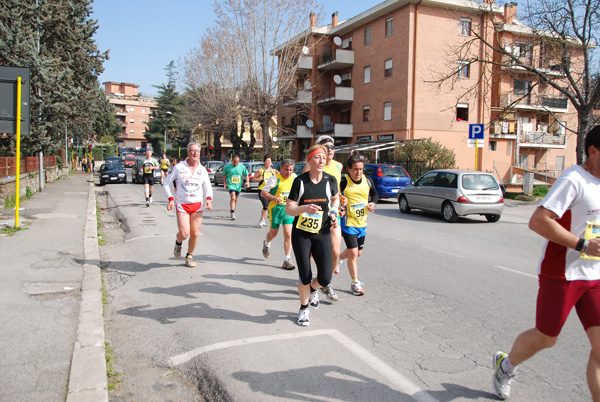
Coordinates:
50	301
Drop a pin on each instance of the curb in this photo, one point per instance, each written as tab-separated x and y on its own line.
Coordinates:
88	380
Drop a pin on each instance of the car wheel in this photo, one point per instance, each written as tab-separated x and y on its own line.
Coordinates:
403	205
492	217
448	212
101	183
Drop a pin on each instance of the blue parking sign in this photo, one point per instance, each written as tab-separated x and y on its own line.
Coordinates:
476	131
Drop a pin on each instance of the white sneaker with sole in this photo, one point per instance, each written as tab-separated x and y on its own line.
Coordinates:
303	319
331	295
189	261
500	380
313	300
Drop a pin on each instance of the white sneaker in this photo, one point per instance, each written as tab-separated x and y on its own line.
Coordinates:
500	380
189	261
356	289
262	223
331	295
265	250
233	216
147	203
337	269
313	300
150	199
303	319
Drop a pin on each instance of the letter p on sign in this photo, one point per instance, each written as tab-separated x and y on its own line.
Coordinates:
476	131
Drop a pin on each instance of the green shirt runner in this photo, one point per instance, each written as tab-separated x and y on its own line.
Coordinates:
235	176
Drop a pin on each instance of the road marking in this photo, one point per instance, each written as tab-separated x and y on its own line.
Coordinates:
402	383
516	272
443	252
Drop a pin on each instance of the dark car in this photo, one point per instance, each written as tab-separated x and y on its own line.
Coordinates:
111	172
112	159
137	172
388	179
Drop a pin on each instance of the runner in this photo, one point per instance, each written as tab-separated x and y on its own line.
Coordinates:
164	167
361	196
334	168
313	201
262	175
276	191
193	187
150	164
233	174
569	271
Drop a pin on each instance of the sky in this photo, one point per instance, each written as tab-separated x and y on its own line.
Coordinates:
143	36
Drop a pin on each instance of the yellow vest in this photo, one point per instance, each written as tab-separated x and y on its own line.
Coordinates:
335	169
265	176
358	199
281	189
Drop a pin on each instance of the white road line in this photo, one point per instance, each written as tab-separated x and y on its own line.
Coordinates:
402	383
516	272
443	252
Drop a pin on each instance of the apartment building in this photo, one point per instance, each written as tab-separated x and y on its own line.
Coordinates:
375	78
132	111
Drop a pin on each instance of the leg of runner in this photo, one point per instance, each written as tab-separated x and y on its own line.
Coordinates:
183	224
232	203
271	234
195	225
146	194
593	367
336	245
150	190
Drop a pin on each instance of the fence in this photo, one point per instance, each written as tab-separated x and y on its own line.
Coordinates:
8	165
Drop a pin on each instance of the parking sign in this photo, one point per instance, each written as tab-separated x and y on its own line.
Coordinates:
476	131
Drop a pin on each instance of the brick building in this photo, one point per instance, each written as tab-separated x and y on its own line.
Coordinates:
132	111
371	79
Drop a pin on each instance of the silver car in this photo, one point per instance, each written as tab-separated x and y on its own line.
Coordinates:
211	167
454	193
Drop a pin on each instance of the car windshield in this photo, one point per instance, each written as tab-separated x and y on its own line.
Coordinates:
113	166
479	182
393	171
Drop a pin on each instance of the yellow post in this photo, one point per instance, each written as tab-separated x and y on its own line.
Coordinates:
18	170
476	146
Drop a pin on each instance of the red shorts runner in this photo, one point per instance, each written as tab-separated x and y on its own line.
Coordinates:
556	299
190	208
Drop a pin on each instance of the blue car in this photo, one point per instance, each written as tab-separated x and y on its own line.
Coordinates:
388	179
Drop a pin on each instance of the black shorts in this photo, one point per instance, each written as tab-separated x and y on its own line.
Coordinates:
149	179
353	241
264	201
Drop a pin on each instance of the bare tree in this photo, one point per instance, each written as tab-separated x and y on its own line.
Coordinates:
560	51
242	47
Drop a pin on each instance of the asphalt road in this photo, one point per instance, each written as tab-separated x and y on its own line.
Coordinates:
440	300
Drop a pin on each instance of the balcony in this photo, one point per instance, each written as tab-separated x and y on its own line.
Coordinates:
337	130
305	63
335	95
541	139
535	103
336	60
303	132
548	67
301	98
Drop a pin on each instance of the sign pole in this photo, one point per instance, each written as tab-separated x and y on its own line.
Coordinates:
476	148
18	167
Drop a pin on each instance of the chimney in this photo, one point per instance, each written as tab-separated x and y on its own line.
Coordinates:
510	12
313	19
334	19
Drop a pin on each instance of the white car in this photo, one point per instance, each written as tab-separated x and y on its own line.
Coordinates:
454	193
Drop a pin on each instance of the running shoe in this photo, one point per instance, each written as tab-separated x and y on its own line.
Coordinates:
288	265
150	199
303	317
147	203
177	251
233	216
189	261
500	380
357	289
266	252
262	223
337	269
313	300
331	295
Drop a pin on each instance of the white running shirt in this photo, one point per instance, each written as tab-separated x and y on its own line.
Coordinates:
575	198
192	186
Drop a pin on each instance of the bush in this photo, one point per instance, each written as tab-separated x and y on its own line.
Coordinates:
540	191
59	162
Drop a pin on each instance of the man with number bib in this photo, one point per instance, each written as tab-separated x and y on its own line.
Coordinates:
360	196
313	201
233	174
261	176
149	165
276	190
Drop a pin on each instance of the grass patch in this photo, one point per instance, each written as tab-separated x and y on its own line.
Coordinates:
114	377
11	202
10	230
540	191
101	240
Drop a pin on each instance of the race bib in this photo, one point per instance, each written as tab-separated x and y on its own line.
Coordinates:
284	196
592	231
358	211
235	179
147	169
310	223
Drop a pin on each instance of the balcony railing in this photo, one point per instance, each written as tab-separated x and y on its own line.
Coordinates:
301	98
533	102
336	59
541	139
335	95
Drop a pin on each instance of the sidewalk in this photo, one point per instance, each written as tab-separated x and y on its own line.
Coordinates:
50	301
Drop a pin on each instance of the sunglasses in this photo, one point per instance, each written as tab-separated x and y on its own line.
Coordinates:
329	146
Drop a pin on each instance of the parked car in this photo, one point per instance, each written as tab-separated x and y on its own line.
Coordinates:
137	172
129	161
211	167
299	167
218	176
112	159
111	172
252	168
454	193
388	179
124	155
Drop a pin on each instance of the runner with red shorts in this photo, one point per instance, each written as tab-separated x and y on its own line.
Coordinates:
193	187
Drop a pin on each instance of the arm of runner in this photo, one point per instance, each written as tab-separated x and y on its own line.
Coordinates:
373	196
543	222
257	175
269	185
167	188
207	188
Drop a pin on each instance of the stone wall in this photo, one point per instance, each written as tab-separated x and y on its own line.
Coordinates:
31	180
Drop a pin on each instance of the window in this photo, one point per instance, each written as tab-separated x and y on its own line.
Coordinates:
367	78
131	132
143	110
143	121
347	43
347	80
367	36
493	145
388	68
389	27
462	112
387	111
464	27
132	120
463	69
521	87
560	163
132	109
366	110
